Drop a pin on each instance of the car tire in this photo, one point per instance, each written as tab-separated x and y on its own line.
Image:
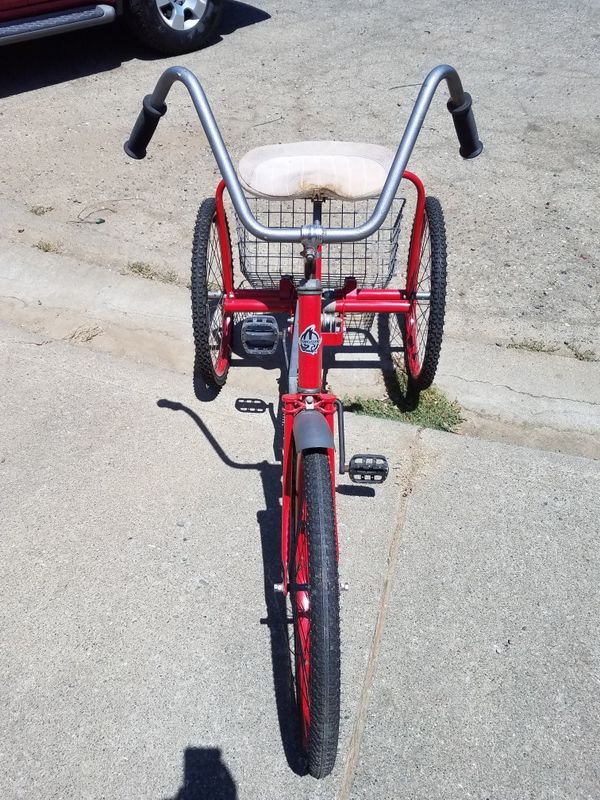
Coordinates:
174	26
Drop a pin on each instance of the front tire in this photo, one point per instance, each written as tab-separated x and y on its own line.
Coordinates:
315	601
174	27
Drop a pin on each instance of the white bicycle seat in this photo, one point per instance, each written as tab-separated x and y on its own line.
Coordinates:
342	170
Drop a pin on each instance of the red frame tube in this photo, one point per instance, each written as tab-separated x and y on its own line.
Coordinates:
310	341
348	300
385	301
271	301
224	241
417	231
412	277
258	301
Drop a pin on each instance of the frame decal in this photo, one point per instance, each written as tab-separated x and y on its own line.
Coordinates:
310	340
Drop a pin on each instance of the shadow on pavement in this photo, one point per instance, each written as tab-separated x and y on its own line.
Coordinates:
355	491
47	62
269	520
205	776
389	342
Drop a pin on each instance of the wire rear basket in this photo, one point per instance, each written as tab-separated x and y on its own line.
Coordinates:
372	261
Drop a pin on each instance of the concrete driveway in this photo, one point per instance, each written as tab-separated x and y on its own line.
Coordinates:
143	653
142	649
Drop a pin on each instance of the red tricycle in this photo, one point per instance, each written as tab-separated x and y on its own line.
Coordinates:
338	201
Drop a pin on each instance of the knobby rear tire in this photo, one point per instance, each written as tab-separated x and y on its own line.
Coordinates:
422	348
212	329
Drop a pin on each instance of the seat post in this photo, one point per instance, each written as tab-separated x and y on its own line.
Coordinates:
312	266
317	211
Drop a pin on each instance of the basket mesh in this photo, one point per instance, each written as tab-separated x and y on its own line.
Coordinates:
371	262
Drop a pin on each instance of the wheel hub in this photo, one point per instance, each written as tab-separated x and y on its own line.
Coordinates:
181	15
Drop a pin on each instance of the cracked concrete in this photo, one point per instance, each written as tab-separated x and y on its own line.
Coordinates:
133	595
415	466
525	389
511	394
518	391
521	231
132	645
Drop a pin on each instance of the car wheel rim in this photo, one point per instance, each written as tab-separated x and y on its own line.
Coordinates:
181	15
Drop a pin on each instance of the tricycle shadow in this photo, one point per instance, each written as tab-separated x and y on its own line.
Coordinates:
377	346
276	618
384	349
380	351
389	342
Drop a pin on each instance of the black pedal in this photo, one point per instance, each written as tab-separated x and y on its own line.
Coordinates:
260	335
250	405
368	468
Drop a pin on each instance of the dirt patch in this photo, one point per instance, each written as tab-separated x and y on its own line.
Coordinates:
39	211
49	247
580	354
533	346
150	273
84	333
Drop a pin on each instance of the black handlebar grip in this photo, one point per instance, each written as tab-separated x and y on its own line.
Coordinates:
144	128
466	129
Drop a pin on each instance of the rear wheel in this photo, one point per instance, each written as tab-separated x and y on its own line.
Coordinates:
423	325
212	327
314	593
174	26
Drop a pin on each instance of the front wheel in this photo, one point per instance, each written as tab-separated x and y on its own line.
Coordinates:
174	26
314	593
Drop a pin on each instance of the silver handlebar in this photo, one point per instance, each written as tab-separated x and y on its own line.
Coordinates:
311	232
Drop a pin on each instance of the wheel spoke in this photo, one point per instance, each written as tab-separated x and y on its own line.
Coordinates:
214	280
300	607
214	262
212	327
194	9
419	320
424	239
177	18
426	291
